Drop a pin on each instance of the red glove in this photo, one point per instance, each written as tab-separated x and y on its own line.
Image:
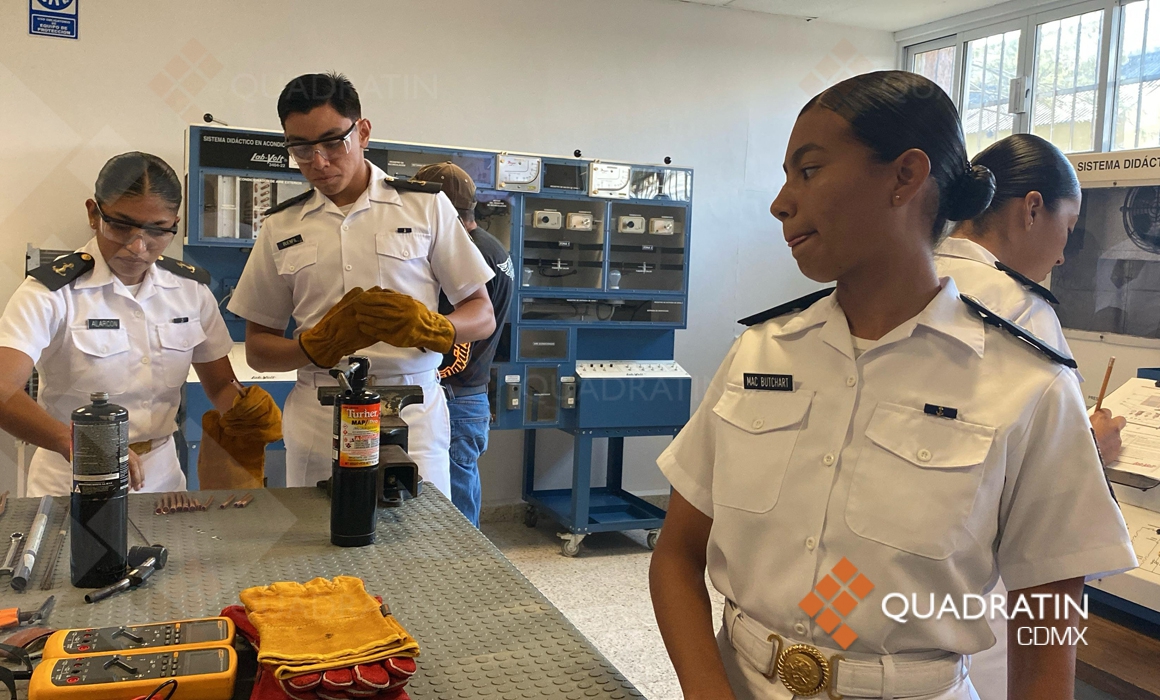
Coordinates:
380	680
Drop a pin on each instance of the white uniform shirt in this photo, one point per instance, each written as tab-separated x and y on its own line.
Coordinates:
849	465
973	269
309	255
142	363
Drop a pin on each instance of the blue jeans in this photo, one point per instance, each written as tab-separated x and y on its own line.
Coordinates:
470	416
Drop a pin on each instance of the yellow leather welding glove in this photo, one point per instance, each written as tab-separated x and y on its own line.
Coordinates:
322	625
233	446
336	335
402	321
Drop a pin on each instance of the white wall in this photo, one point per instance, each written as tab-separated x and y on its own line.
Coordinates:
635	80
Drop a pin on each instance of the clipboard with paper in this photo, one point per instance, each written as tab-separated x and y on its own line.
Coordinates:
1138	401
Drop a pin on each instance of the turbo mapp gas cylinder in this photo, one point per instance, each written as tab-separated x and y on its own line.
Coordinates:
354	469
100	494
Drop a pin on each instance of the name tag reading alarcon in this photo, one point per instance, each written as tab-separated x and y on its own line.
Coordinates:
108	324
769	382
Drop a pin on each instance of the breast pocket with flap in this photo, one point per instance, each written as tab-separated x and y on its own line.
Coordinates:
754	445
102	363
403	260
296	258
916	479
178	341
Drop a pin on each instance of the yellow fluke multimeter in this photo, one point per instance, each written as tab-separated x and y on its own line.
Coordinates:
162	636
203	673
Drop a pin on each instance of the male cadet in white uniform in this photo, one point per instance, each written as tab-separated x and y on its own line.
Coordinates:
118	317
357	230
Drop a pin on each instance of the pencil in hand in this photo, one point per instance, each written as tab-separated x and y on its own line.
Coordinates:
1104	386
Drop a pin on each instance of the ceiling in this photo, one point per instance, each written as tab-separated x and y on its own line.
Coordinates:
889	15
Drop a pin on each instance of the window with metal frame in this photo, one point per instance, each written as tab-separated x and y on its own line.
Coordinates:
937	65
1066	85
991	63
1137	90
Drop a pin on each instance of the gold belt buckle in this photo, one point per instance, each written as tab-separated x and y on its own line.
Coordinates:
805	670
142	447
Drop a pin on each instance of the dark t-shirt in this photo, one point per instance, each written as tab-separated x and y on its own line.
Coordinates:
468	365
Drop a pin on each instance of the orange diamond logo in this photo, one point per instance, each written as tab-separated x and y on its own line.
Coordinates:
844	604
811	604
844	637
827	587
828	620
861	587
844	570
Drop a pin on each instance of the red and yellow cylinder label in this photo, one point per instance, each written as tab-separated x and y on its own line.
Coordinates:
358	439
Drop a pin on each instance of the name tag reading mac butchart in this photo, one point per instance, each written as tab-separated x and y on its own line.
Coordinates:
769	382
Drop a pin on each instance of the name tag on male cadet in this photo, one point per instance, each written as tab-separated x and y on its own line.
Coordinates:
293	240
769	382
109	324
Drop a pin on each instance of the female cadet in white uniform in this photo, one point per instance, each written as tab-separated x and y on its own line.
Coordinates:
881	439
1000	257
118	317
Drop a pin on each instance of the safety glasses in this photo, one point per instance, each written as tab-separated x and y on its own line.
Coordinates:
124	231
330	147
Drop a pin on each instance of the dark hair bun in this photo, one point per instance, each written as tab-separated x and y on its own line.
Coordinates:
969	194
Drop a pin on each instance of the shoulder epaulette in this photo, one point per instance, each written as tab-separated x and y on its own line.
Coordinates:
296	199
63	270
184	269
993	319
415	185
790	307
1033	287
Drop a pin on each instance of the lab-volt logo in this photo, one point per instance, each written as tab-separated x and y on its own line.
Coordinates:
273	159
831	601
55	4
843	61
184	77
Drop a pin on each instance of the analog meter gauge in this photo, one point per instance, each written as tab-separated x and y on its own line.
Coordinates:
609	180
518	173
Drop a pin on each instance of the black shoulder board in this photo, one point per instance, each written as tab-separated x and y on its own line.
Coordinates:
991	318
297	199
415	185
790	307
184	269
63	270
1033	287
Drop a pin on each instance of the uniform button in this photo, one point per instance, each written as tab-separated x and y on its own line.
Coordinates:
345	227
800	629
146	403
144	360
104	348
349	268
851	380
138	314
293	268
758	423
924	455
828	460
811	543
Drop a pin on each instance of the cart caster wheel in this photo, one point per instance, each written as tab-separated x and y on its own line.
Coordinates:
651	540
531	516
571	545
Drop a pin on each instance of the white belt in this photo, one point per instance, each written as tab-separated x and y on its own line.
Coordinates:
801	666
424	378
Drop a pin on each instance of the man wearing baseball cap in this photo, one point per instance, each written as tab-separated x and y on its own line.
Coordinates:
466	370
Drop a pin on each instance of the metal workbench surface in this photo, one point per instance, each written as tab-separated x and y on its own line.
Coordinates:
484	630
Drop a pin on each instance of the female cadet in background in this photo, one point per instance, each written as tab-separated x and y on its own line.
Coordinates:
887	440
118	317
1000	257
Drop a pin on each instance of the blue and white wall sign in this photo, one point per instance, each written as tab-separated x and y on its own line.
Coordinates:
53	18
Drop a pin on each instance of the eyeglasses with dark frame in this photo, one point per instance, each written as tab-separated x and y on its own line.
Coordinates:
120	231
330	147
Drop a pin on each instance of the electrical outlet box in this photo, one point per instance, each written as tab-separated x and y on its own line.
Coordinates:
568	392
630	224
662	226
511	392
580	221
548	218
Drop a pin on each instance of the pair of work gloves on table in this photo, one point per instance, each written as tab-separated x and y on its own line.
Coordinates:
233	444
362	318
324	640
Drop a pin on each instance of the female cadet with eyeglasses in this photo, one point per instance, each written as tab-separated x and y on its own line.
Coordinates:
118	317
885	441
